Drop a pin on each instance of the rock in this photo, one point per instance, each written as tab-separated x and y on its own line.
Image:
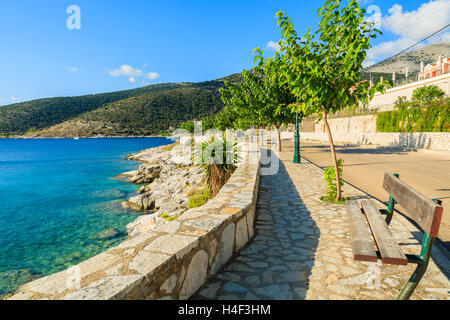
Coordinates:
168	184
146	173
108	234
141	190
140	202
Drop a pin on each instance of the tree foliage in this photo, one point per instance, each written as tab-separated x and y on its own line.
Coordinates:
427	93
323	69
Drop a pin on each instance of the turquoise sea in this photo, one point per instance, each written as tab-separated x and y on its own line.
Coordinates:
56	195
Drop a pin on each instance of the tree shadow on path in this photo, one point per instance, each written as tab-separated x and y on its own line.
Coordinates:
276	264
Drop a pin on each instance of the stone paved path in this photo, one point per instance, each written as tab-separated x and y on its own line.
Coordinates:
302	249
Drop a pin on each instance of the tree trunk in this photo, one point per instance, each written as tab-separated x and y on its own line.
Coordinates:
333	155
279	138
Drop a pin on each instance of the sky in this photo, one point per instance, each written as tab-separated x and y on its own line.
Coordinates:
52	48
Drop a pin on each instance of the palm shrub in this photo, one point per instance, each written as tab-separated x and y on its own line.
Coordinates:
218	157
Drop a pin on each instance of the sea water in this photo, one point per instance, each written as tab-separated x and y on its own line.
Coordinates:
56	195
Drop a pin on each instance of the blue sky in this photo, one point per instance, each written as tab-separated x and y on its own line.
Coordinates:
128	44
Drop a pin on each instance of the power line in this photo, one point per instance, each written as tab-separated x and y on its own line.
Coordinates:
420	41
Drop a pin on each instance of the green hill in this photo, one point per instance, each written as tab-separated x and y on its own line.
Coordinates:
147	114
34	115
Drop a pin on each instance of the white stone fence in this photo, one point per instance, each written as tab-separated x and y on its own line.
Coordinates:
167	261
438	141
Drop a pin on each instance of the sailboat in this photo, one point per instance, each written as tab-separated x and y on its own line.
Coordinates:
77	137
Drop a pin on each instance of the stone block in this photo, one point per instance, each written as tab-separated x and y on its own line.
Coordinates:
109	288
147	262
241	234
195	275
226	248
173	244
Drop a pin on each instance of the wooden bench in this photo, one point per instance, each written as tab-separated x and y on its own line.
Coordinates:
425	212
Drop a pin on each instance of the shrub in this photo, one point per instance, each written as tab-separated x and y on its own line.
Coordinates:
427	93
199	198
330	180
431	116
188	125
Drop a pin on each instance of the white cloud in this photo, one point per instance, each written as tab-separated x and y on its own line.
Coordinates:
153	75
368	63
411	27
73	69
364	2
126	70
14	98
386	49
133	73
271	45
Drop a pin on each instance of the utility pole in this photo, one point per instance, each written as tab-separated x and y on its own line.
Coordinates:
297	141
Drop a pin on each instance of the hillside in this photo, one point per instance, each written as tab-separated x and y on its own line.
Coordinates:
412	59
147	114
33	115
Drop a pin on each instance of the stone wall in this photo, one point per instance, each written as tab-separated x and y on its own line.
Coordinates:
361	130
416	140
167	261
360	124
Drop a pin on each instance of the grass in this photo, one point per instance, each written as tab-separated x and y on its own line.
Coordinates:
198	197
166	217
333	201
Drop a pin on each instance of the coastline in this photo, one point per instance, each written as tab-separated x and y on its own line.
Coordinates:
87	137
165	185
30	274
167	259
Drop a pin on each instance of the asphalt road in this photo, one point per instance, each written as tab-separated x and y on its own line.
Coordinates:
364	167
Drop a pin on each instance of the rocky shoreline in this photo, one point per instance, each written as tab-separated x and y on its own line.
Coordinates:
165	181
167	176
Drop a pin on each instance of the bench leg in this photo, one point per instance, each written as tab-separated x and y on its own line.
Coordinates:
423	260
412	283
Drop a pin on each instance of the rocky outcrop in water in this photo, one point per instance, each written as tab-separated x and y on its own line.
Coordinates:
108	234
168	174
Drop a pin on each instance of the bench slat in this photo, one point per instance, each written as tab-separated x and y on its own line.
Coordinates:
390	251
425	212
362	243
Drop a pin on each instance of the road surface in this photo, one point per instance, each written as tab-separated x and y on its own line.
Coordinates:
364	167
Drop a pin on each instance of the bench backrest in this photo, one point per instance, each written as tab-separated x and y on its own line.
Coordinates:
424	211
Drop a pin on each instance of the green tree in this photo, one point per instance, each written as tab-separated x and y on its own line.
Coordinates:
188	125
227	119
261	99
427	93
323	69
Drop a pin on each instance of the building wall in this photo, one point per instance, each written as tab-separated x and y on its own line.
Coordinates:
386	101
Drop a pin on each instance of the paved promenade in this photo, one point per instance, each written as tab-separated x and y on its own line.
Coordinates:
302	249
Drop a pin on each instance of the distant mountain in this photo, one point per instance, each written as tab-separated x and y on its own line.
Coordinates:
147	110
398	64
